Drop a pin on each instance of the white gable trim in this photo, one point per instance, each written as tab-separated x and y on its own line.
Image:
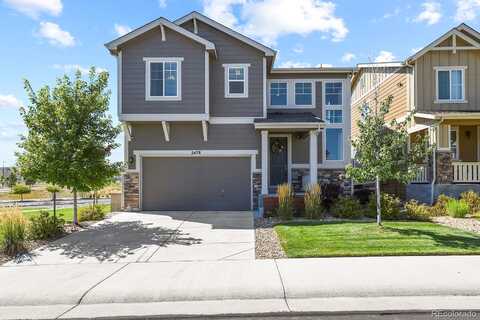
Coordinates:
197	16
453	32
160	22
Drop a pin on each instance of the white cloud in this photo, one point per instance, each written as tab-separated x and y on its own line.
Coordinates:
415	50
431	13
55	35
122	29
74	67
467	10
295	64
162	3
10	131
9	101
267	20
34	8
324	65
298	49
347	57
385	56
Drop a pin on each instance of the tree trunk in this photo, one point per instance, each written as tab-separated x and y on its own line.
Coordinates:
55	205
379	201
75	218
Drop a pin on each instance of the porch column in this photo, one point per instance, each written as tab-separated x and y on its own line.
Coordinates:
265	162
313	156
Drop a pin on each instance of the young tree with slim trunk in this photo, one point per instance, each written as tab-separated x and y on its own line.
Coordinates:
70	136
382	150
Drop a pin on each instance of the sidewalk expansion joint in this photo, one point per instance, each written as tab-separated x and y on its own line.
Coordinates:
91	288
283	286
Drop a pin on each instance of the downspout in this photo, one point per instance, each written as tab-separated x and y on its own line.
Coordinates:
434	166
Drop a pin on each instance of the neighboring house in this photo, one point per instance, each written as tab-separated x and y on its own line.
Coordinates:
210	124
441	84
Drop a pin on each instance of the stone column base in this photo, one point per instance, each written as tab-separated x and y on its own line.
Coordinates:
131	191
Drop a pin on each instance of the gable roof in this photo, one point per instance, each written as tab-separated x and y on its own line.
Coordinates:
196	15
454	32
112	46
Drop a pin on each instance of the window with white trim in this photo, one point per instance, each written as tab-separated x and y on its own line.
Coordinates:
450	84
454	142
236	80
278	93
333	93
334	116
303	94
163	78
334	143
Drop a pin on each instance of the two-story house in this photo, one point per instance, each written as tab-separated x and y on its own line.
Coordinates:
440	84
210	124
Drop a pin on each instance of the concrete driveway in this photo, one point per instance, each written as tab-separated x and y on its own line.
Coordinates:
153	237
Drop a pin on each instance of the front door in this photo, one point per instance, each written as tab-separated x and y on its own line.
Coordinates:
278	160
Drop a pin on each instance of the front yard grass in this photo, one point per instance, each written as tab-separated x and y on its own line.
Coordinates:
343	239
67	213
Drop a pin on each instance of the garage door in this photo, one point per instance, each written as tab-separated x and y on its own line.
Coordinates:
197	184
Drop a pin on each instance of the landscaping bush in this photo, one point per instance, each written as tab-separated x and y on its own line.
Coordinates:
347	208
45	226
473	200
417	211
285	201
330	193
13	228
457	208
91	213
21	189
313	202
390	207
440	207
363	195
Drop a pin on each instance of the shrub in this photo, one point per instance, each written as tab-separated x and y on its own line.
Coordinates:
21	189
313	202
457	208
440	207
417	211
45	226
473	200
285	201
347	208
13	227
330	193
363	195
91	213
390	207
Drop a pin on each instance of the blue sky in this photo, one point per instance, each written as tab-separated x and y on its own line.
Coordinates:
43	39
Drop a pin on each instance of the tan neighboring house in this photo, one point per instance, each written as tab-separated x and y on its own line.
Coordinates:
440	83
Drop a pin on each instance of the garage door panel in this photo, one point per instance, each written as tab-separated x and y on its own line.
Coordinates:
196	183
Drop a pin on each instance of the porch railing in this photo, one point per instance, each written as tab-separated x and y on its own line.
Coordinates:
466	172
421	175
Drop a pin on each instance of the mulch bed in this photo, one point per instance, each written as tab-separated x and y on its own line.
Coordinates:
267	243
35	244
466	224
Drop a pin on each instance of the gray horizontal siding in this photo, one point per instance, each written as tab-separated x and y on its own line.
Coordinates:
231	50
150	44
301	148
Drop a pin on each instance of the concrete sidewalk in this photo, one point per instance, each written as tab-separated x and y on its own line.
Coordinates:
240	287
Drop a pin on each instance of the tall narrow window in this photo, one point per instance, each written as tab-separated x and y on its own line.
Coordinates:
303	94
278	94
162	81
236	80
333	93
334	143
450	84
454	142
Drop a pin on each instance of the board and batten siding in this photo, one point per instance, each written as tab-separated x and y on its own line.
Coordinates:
426	80
394	85
231	51
150	44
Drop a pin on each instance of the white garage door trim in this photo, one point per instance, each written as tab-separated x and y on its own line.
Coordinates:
140	154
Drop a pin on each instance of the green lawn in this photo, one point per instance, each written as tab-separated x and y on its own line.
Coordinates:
66	212
326	239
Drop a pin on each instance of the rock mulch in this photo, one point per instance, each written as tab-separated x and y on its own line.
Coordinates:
467	224
267	243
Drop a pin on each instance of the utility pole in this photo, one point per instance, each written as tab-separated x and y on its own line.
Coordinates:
3	173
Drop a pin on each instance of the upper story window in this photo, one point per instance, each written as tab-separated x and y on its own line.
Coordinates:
163	78
334	144
333	93
450	84
303	94
278	93
236	80
334	116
